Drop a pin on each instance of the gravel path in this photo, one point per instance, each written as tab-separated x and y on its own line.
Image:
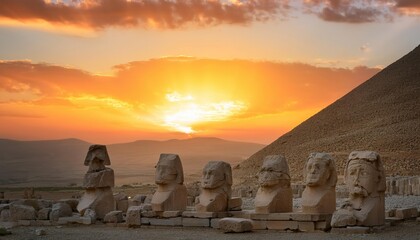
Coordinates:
407	230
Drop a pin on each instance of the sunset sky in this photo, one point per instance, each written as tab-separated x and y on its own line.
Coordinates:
248	70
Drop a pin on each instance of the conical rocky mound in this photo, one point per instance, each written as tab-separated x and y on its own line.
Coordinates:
382	114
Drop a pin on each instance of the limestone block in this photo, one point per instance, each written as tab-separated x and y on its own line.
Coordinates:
100	200
60	209
406	213
113	217
283	225
27	202
133	216
323	225
343	218
206	214
259	225
43	203
166	221
280	216
196	222
72	202
214	223
122	205
351	230
236	225
314	217
44	214
235	204
241	214
90	214
120	196
5	215
149	214
393	221
390	213
171	214
306	226
104	178
145	221
22	212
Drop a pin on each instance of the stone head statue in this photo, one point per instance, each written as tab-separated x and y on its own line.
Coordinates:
320	170
216	186
171	194
364	174
274	171
169	170
365	179
217	174
96	158
275	193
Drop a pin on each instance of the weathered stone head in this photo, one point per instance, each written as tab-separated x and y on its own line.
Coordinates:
365	179
364	174
216	187
320	178
274	171
217	174
320	170
96	158
169	170
275	194
171	194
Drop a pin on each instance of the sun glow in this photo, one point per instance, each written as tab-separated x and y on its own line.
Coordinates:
183	112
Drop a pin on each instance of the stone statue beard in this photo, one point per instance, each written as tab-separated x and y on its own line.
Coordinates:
359	191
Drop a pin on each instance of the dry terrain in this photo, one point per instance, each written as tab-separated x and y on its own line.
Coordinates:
382	114
60	162
407	230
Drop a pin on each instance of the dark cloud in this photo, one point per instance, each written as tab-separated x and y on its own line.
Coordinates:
352	11
165	14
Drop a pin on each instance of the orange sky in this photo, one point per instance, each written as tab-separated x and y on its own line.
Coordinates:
96	69
167	98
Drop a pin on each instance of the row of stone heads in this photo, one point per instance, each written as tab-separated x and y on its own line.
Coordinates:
364	176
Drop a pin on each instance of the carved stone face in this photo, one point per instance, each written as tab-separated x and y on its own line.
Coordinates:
96	165
272	174
213	176
361	178
317	172
166	173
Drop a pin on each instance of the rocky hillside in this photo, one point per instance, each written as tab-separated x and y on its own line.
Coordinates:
382	114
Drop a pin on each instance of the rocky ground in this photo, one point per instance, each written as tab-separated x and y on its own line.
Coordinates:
406	230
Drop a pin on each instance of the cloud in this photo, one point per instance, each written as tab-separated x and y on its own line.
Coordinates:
361	11
183	96
163	14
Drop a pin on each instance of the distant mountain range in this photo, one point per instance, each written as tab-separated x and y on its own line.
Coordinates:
60	162
382	114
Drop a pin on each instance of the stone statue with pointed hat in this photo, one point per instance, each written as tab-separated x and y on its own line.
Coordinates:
98	182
